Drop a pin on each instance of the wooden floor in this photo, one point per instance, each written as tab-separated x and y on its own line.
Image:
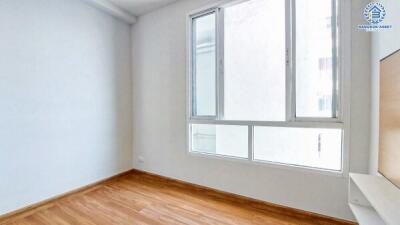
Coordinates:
138	198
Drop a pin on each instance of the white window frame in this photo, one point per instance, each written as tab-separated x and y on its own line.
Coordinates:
217	81
343	71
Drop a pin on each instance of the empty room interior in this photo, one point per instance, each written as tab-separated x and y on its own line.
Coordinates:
197	112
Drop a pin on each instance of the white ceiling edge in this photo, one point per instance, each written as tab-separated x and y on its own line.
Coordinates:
113	10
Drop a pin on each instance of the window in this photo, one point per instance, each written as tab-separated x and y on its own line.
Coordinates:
314	41
204	64
264	83
224	140
312	147
254	81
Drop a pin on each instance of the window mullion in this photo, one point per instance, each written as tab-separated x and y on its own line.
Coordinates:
290	62
335	79
193	108
220	63
293	58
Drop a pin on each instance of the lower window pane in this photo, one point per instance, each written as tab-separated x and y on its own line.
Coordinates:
220	139
310	147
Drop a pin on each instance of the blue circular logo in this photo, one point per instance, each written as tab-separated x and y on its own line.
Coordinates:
374	13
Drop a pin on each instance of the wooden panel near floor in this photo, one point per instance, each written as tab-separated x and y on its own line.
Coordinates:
142	198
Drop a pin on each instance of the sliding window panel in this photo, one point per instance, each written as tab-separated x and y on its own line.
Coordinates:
204	76
308	147
225	140
316	83
254	61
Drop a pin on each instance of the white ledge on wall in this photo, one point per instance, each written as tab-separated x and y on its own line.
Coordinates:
374	200
110	8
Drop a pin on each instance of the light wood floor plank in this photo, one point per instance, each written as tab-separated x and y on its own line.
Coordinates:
144	199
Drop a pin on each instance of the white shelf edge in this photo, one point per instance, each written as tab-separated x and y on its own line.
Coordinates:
383	196
366	215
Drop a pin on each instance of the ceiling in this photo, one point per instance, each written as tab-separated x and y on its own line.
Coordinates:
140	7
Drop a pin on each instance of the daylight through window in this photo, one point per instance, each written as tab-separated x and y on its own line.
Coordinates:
264	84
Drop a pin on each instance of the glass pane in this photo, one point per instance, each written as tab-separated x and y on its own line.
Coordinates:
254	55
310	147
314	77
204	66
220	139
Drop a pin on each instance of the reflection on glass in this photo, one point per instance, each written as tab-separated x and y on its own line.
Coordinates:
311	147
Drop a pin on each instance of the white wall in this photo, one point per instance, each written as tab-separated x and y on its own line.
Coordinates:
383	44
159	96
65	99
360	90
